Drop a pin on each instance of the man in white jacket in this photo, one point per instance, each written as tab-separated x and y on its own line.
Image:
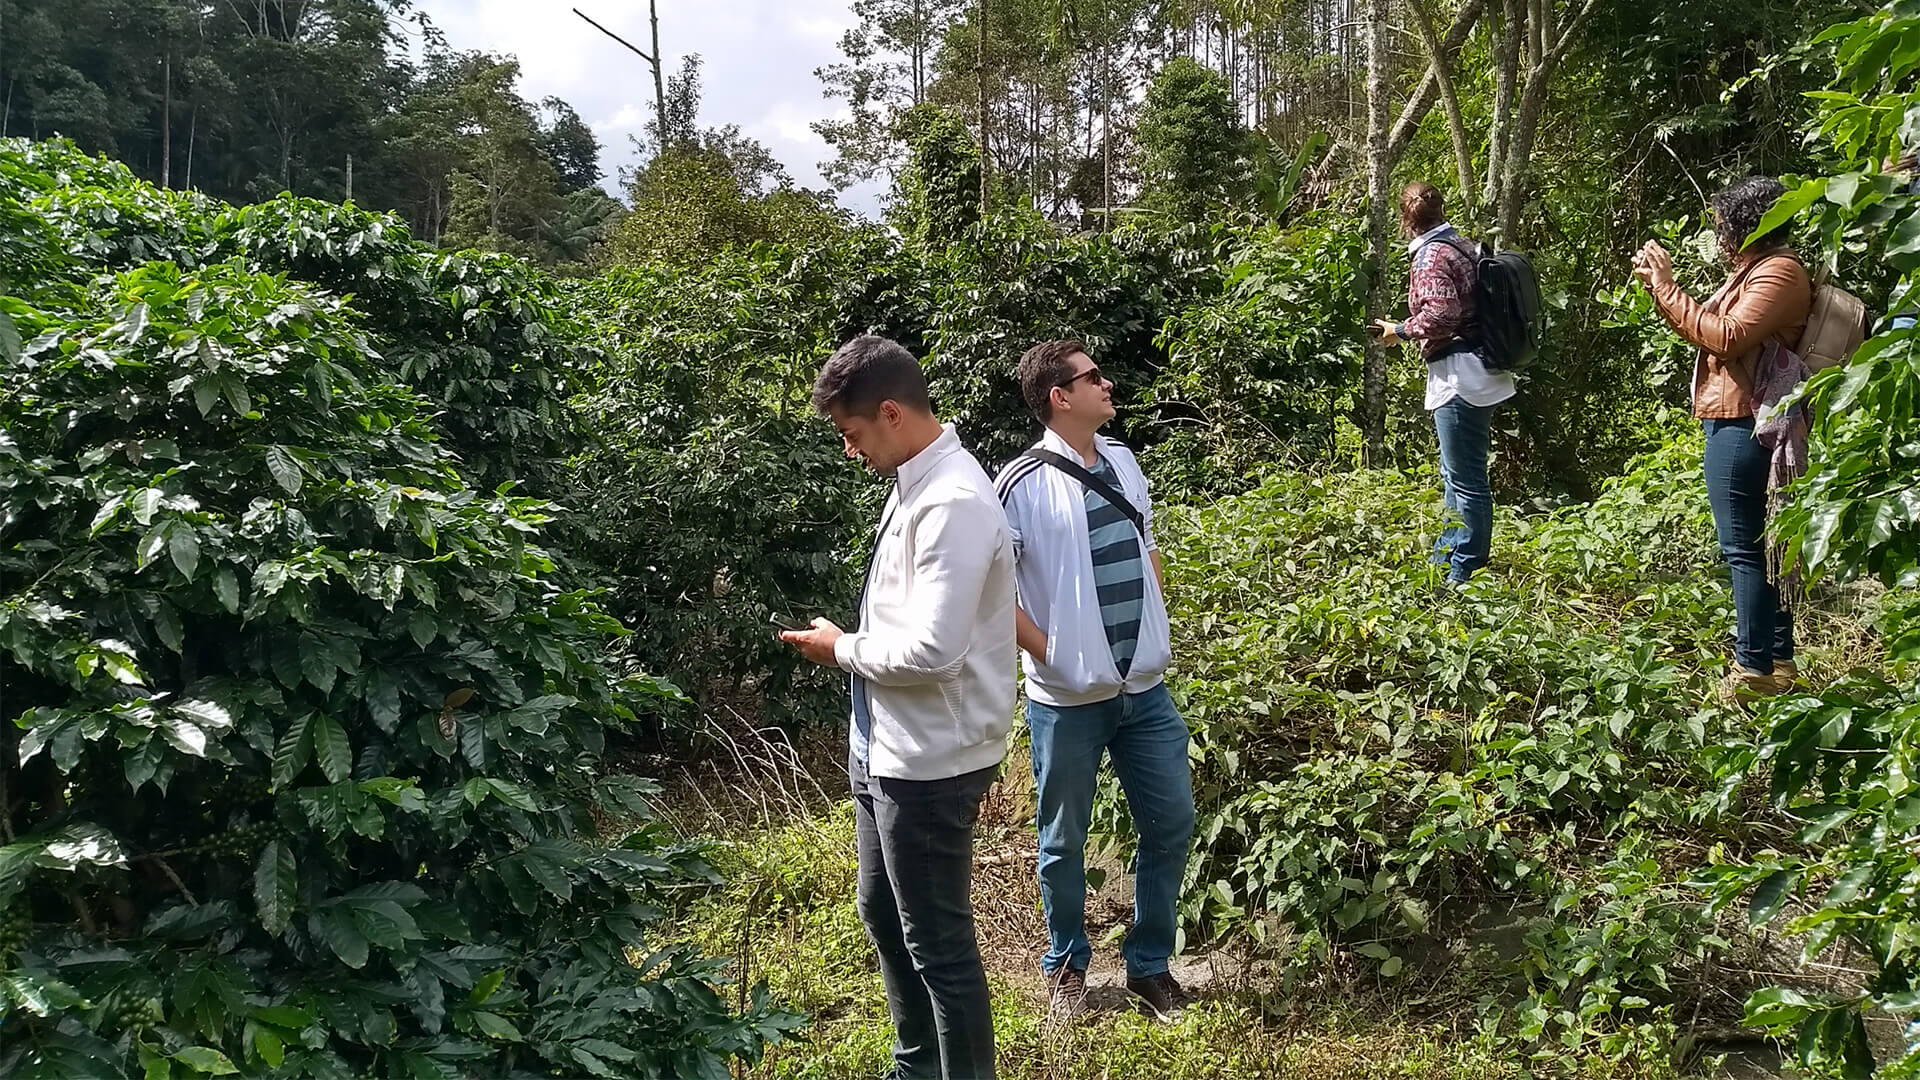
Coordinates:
933	686
1095	643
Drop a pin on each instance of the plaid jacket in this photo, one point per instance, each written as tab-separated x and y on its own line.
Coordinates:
1439	294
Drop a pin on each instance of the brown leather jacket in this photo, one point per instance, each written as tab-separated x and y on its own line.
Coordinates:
1767	299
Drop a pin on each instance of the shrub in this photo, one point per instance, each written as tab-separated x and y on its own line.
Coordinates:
303	775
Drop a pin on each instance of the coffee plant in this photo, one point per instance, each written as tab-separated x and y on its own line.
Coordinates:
1383	764
303	772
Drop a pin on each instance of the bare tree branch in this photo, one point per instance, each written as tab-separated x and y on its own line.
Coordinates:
1424	93
1441	66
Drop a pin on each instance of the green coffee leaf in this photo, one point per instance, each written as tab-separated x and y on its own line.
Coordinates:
275	881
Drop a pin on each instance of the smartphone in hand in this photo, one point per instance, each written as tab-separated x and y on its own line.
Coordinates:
783	622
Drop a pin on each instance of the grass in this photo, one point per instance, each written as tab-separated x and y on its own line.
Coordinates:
788	908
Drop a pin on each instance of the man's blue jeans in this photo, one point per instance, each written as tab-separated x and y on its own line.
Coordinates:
1736	468
1466	433
1147	740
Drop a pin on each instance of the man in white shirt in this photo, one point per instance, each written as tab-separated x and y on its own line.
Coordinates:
933	686
1095	643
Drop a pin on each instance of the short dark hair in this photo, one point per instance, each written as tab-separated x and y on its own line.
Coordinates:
1421	206
1739	209
1044	367
867	371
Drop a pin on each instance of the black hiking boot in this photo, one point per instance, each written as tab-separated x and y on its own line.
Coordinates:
1160	995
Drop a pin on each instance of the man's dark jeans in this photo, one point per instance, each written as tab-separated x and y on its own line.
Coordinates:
916	899
1736	468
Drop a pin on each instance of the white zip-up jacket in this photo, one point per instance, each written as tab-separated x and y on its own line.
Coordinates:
936	640
1047	513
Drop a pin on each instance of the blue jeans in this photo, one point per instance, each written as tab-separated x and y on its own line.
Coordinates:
1147	739
915	895
1466	433
1736	468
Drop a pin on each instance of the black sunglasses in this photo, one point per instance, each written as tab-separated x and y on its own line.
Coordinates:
1092	375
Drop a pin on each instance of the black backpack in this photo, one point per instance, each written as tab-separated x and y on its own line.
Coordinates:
1506	294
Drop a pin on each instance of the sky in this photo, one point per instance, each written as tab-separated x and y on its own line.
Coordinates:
757	64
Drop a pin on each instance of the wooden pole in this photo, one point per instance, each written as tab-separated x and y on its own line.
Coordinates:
659	84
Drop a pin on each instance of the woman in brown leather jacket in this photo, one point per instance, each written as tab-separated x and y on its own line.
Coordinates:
1766	298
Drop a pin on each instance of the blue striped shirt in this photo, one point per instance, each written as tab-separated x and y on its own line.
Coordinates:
1119	569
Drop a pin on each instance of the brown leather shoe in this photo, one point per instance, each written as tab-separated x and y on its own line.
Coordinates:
1742	687
1066	995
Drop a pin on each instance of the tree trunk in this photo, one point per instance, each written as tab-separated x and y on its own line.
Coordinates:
659	83
1548	45
985	116
1509	30
166	121
1106	143
919	54
1422	100
1442	66
1379	169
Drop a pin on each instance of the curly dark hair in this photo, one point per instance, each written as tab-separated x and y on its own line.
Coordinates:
1738	210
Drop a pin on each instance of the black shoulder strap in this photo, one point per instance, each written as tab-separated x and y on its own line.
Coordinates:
1079	472
1472	255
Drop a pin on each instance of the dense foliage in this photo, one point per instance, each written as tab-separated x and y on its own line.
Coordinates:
1382	764
334	560
1841	761
323	98
303	774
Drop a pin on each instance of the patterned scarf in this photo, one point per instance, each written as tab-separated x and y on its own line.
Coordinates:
1783	431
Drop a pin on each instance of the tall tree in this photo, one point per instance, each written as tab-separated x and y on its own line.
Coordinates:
1192	154
939	190
888	68
505	185
1532	38
569	144
1373	415
1440	63
981	30
704	190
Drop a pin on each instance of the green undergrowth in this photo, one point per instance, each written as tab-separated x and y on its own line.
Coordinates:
789	908
1444	833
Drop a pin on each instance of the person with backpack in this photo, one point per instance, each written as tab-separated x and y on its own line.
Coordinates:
1095	645
1763	307
1462	387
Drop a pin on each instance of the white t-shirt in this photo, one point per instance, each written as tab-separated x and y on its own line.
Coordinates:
1464	375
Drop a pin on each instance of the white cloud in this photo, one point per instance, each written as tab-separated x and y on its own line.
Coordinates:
758	59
